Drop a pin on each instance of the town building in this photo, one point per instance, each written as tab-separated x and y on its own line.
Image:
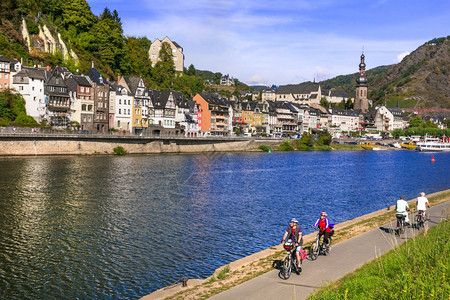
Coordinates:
123	109
8	68
163	110
186	115
389	118
81	101
227	80
57	98
177	53
141	103
101	100
343	120
304	93
214	114
29	82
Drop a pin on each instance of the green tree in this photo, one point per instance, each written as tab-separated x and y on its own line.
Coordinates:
164	70
349	103
325	138
77	13
324	102
217	77
416	122
191	70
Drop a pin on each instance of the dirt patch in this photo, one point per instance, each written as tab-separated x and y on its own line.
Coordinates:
259	263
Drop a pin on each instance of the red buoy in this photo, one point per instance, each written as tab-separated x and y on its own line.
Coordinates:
432	159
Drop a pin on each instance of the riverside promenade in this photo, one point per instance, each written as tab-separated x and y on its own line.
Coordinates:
345	257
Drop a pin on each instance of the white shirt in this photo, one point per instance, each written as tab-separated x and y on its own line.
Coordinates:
421	203
402	205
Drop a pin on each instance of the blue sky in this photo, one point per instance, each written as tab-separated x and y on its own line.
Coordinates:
285	42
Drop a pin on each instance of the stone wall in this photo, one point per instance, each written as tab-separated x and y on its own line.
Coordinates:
40	144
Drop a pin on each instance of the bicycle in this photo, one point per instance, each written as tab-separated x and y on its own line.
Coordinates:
420	219
400	229
317	248
290	261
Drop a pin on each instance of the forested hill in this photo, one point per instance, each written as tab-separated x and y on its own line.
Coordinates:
420	80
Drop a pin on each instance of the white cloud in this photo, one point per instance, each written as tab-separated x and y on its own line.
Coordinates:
401	56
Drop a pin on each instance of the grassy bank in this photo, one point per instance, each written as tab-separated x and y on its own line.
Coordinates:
418	269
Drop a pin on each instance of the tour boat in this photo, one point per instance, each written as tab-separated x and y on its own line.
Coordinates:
433	144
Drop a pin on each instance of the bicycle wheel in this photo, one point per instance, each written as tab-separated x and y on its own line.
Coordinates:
314	251
330	240
287	268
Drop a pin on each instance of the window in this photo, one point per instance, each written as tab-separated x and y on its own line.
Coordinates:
153	56
82	89
154	47
120	111
136	122
120	101
129	102
6	76
83	107
128	111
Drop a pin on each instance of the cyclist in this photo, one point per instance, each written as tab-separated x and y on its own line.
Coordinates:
294	233
422	204
402	208
323	224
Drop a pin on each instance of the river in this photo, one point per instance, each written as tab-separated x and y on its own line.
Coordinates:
120	227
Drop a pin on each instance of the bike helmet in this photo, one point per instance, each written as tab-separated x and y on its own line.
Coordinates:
323	214
293	220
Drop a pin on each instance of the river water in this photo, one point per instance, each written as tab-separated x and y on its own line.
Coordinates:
120	227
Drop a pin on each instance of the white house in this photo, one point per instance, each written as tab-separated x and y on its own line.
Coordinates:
123	109
29	82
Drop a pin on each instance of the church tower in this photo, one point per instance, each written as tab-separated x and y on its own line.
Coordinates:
361	101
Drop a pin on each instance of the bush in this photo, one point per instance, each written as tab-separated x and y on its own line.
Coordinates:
264	148
286	146
119	150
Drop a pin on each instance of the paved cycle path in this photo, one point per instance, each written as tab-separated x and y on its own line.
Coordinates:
345	257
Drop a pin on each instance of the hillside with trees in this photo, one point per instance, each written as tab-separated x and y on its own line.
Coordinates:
420	80
89	39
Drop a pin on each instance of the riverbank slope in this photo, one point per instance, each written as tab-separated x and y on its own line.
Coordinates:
238	272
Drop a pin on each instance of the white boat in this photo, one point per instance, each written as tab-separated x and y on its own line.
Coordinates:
432	144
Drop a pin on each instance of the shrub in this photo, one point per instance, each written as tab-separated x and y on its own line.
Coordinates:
119	150
264	148
286	146
223	273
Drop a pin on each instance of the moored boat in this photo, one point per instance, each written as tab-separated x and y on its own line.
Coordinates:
434	144
409	145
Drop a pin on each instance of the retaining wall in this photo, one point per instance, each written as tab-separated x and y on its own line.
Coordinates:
42	144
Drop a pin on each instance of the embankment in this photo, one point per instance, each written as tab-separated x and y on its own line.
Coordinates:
53	144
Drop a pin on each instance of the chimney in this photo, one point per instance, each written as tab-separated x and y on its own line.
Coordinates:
92	62
118	77
48	68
